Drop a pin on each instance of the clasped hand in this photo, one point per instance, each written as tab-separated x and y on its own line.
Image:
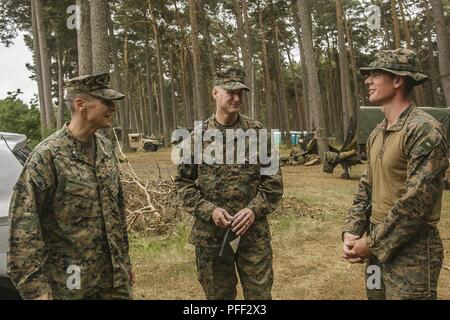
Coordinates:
355	248
239	223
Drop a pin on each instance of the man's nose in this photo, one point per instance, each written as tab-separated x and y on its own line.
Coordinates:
236	97
368	80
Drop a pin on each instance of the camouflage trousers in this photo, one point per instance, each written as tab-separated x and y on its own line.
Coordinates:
124	292
412	273
218	275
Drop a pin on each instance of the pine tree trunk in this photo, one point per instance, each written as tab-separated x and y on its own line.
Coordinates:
405	24
433	70
303	71
343	68
99	35
267	82
162	98
84	39
124	114
443	47
354	67
207	35
395	24
198	97
313	80
172	89
184	89
61	104
251	77
45	66
298	108
243	45
286	126
121	104
158	109
148	84
37	64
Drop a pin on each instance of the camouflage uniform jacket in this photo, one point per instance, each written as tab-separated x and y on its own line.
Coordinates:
232	187
425	161
66	211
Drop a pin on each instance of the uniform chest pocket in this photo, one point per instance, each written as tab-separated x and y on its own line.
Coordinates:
78	202
80	189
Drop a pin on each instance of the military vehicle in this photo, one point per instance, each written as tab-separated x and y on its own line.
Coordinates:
14	152
148	144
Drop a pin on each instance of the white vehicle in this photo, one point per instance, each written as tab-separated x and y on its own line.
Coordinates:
13	154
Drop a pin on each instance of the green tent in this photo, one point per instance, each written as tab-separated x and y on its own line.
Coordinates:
370	117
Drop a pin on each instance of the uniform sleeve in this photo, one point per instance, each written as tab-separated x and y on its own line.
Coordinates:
427	153
358	216
26	245
269	195
124	226
190	194
122	212
270	188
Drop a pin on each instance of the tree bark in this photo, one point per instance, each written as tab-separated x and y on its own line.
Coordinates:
172	89
285	123
267	82
61	104
198	98
395	24
443	47
162	96
122	106
430	46
37	64
251	72
99	35
184	89
245	58
303	71
343	69
354	65
84	39
313	80
45	66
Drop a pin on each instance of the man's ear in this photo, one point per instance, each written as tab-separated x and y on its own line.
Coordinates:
214	93
80	104
398	81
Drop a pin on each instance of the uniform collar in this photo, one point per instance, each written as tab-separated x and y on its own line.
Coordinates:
400	121
76	148
212	123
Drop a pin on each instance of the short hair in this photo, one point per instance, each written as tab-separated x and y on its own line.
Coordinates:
70	99
408	85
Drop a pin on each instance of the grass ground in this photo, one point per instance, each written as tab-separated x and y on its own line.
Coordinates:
307	247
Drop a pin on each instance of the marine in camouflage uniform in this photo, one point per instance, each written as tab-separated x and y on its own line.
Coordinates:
232	187
403	184
67	214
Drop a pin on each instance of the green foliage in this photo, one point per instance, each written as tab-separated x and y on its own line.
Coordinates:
17	117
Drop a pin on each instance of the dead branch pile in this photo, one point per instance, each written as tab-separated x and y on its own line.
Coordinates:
151	203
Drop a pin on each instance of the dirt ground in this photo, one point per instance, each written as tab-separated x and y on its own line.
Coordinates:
306	240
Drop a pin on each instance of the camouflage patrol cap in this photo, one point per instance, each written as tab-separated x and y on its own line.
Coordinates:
95	85
401	62
231	79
